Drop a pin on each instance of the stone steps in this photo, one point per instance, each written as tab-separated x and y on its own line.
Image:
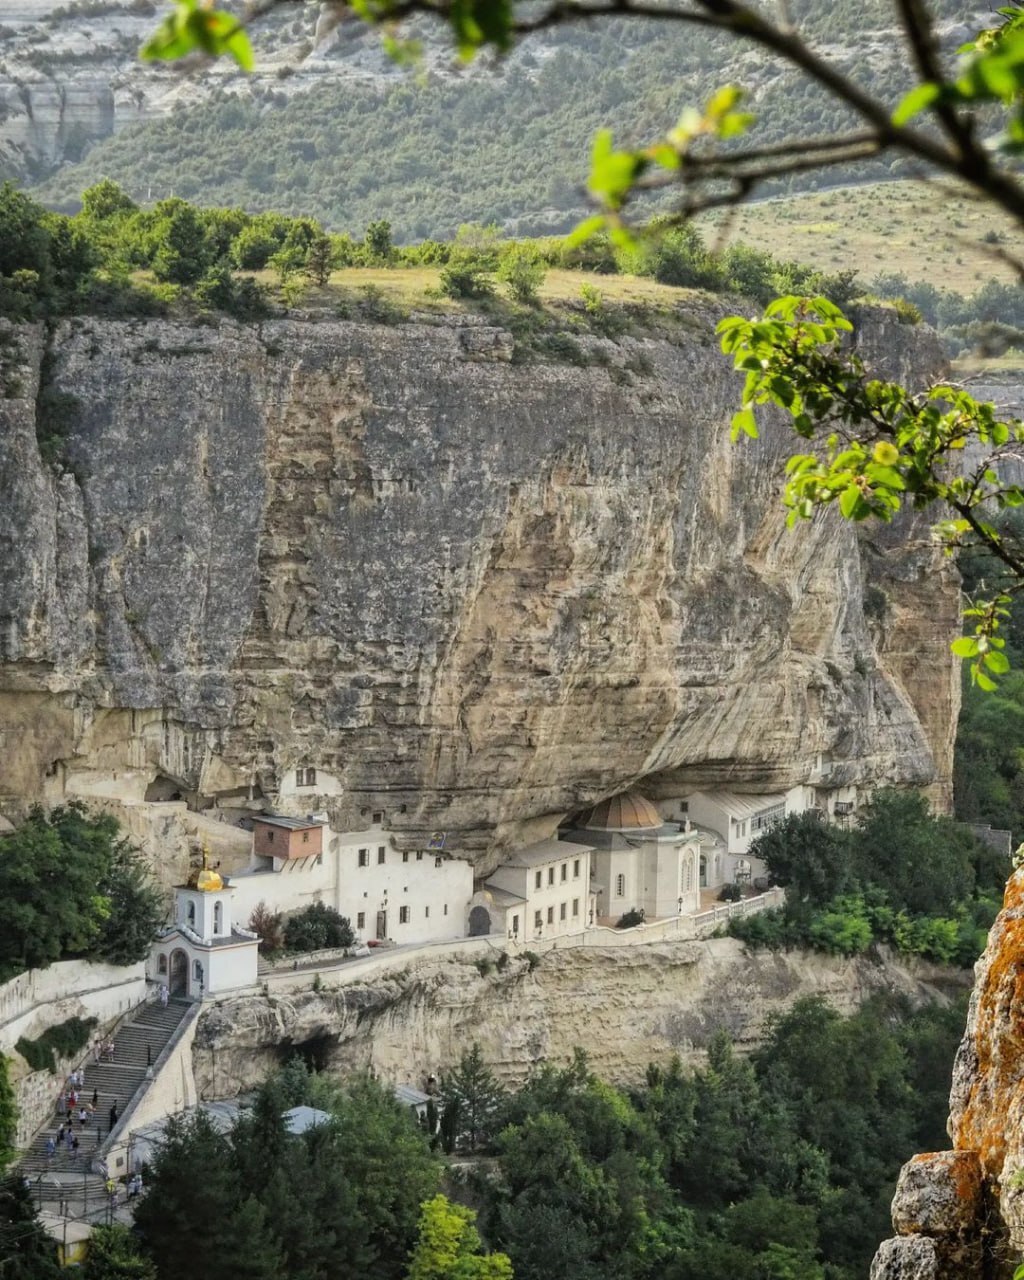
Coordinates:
137	1045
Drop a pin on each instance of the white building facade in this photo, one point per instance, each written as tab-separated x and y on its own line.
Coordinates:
541	891
407	896
640	863
204	952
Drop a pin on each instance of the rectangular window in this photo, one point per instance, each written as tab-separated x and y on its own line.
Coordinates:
403	915
381	853
270	836
405	856
563	910
426	913
378	818
538	920
575	906
551	915
565	871
446	908
419	856
364	857
620	886
319	859
361	920
551	875
305	837
576	869
538	879
515	927
305	777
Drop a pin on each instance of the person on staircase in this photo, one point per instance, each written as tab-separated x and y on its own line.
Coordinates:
113	1115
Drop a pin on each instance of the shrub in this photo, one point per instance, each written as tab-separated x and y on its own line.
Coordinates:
522	272
465	278
317	927
268	924
907	312
62	1041
730	893
532	960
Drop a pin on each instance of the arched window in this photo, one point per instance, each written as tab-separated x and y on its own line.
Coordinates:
191	915
161	964
218	917
620	886
703	880
688	865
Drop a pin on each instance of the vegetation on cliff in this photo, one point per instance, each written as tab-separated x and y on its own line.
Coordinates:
780	1167
72	887
919	883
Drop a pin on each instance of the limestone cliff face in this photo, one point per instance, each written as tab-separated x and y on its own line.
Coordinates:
475	592
626	1006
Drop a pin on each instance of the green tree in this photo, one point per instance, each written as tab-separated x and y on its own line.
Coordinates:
448	1246
316	927
319	260
472	1098
114	1255
28	1252
195	1194
805	855
8	1116
179	253
377	243
522	270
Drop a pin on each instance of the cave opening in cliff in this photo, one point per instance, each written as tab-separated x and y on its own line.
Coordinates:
163	789
315	1052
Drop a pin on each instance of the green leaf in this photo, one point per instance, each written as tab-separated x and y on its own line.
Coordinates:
917	100
743	423
997	662
583	231
982	680
965	647
849	501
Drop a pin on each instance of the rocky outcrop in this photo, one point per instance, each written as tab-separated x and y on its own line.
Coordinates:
627	1007
971	1200
475	592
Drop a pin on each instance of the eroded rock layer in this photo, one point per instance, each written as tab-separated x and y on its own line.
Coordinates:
626	1006
471	590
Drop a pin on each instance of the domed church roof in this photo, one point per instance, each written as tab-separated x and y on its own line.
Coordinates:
628	811
204	878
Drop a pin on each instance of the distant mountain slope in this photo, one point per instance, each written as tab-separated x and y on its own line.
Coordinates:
349	139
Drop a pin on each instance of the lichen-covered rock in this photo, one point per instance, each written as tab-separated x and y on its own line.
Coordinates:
939	1194
471	591
908	1258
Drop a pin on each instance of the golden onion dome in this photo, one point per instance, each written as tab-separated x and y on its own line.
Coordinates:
204	878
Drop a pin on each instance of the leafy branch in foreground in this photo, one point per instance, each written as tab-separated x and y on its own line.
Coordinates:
877	446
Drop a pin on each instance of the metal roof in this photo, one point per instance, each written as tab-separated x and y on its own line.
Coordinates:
544	851
299	1119
628	811
291	824
739	807
410	1096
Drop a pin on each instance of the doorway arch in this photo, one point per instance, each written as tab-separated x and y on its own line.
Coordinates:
703	878
179	973
479	922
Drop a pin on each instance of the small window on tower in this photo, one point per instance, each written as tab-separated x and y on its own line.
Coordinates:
361	920
620	886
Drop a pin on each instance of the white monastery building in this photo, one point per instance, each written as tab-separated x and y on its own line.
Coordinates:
541	891
407	896
640	862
